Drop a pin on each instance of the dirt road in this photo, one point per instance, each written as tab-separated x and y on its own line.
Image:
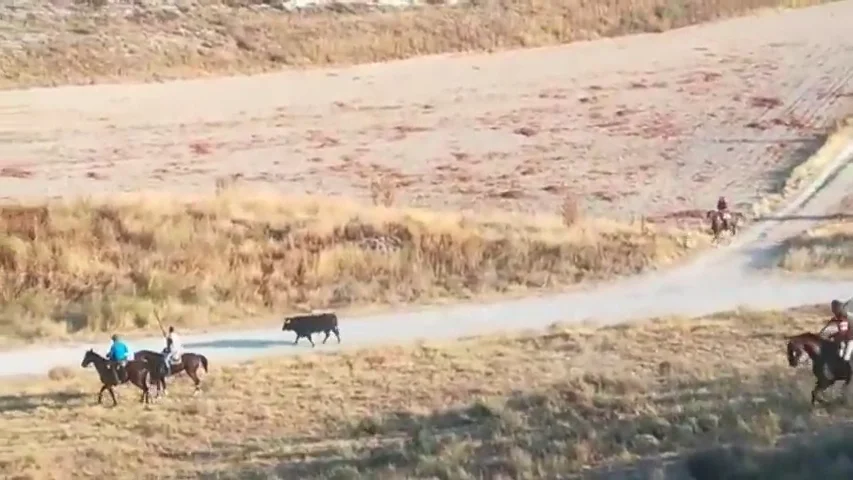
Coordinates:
725	279
302	126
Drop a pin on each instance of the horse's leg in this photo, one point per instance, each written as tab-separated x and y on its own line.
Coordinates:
191	372
848	376
820	385
101	394
113	394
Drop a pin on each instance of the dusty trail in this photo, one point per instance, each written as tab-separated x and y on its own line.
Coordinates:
726	278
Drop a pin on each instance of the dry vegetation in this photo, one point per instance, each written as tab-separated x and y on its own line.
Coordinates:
537	406
83	266
824	250
86	43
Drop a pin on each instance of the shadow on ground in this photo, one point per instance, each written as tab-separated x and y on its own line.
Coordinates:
25	403
240	343
589	421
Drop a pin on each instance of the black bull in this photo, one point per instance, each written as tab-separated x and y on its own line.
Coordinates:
306	325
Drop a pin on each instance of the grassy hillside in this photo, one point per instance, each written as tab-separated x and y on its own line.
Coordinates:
96	41
81	267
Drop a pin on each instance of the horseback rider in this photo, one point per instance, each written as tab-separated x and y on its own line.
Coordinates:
723	209
118	356
838	330
174	349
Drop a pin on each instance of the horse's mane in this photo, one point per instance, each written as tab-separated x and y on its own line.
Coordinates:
808	336
93	352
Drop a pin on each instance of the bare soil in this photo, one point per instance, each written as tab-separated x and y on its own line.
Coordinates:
655	125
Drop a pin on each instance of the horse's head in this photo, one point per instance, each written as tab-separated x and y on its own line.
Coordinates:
794	351
711	214
89	357
807	343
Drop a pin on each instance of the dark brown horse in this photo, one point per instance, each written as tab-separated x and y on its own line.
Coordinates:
135	372
827	365
720	224
190	363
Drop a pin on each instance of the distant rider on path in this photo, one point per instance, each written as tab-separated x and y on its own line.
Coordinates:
723	208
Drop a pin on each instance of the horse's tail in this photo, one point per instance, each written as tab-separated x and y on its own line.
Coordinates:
204	362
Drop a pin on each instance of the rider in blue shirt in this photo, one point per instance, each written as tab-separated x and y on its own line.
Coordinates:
119	354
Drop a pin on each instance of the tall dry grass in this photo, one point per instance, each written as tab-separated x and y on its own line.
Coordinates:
92	266
104	43
569	401
824	250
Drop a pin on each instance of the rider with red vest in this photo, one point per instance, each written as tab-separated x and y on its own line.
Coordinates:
838	329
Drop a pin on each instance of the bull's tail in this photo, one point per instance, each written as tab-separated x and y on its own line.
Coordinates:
204	362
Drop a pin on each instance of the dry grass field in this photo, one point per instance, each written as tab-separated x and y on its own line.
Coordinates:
96	41
572	400
823	250
826	250
77	267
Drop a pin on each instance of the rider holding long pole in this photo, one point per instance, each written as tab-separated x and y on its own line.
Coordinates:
174	348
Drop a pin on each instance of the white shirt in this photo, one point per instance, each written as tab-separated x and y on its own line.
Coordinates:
176	342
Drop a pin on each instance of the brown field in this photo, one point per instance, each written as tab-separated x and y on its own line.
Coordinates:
97	41
75	268
722	108
547	405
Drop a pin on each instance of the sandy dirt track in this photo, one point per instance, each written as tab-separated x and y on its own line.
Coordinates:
644	124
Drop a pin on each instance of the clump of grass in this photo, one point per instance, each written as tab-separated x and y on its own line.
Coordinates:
551	405
382	192
236	37
88	266
570	210
826	249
